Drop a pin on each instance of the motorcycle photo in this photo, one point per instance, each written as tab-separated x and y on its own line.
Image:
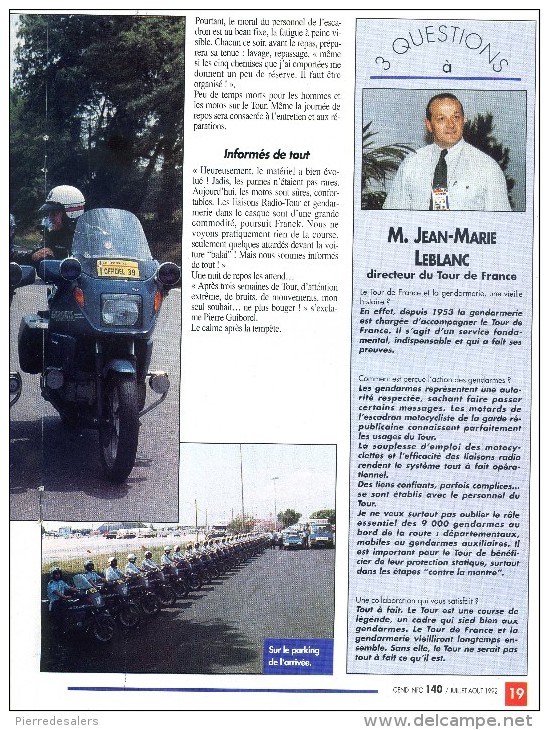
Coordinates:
93	345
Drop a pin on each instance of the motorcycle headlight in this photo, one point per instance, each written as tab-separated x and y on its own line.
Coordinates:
121	310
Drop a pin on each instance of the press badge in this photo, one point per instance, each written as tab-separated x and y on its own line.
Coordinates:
440	199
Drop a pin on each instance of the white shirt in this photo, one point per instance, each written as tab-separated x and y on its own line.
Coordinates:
149	564
132	569
55	587
475	180
112	574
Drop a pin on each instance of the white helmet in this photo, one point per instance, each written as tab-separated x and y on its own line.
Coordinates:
67	198
132	558
167	549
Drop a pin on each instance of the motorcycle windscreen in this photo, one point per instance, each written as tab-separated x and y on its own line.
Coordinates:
110	243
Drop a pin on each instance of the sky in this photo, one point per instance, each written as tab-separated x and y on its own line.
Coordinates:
288	476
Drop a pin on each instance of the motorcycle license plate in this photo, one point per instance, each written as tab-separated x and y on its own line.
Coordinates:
120	269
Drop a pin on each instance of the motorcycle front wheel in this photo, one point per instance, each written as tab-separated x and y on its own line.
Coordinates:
119	433
150	605
167	596
103	629
195	582
181	588
129	615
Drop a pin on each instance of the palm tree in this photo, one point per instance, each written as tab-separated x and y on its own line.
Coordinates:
377	163
479	133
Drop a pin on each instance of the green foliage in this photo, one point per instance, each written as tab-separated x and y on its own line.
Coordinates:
377	163
479	132
240	524
325	514
114	86
288	517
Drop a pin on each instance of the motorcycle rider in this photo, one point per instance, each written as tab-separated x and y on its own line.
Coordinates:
166	558
57	591
177	555
131	568
113	573
148	563
64	205
94	578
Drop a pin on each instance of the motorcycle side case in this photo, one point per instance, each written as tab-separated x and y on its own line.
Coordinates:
32	333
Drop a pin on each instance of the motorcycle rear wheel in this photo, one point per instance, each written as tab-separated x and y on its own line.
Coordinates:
119	434
103	629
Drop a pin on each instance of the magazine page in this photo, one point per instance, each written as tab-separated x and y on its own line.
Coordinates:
273	435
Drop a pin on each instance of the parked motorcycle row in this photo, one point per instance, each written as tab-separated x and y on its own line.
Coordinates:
99	607
92	346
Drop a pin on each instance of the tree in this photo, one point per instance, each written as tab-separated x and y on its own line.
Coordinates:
325	514
288	517
114	86
377	163
240	524
479	132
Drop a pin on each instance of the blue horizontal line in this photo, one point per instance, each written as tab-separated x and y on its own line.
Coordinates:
221	689
453	78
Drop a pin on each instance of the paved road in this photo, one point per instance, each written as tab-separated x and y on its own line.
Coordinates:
221	628
66	463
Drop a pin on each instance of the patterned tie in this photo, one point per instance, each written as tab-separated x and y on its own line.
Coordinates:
440	178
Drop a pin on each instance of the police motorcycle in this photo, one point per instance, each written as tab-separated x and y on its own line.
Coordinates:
88	613
228	555
178	576
217	558
160	585
188	570
119	604
93	345
20	275
140	591
201	565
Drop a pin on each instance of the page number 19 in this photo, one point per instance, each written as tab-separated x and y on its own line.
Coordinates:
516	693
